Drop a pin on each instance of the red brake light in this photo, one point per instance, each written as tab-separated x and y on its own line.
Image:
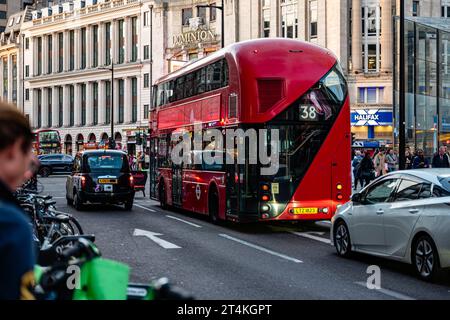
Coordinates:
83	181
265	198
339	196
131	181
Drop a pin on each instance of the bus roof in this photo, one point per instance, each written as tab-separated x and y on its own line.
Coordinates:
243	51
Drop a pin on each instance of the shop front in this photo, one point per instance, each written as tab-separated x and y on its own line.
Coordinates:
372	128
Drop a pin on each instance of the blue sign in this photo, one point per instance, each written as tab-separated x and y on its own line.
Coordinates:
371	117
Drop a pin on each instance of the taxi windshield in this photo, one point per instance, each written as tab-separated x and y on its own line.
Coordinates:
107	162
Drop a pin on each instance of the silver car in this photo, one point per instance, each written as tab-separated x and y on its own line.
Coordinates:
403	216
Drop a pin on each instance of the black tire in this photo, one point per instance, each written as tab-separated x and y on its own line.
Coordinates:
213	206
77	203
425	258
342	241
162	195
45	172
129	205
69	201
76	226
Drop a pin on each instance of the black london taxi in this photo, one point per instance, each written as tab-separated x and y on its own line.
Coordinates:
100	176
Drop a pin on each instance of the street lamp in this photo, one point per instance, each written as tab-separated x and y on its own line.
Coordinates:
222	10
401	93
111	139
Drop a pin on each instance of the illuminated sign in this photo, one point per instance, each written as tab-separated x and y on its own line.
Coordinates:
371	117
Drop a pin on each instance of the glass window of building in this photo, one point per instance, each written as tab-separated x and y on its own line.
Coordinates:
121	100
49	92
146	18
146	111
415	8
445	9
134	40
146	52
95	46
14	78
83	104
39	56
50	53
72	106
371	32
266	19
27	94
121	41
186	15
60	106
313	17
108	43
146	80
134	99
108	102
5	78
71	50
83	48
289	20
39	107
61	52
95	102
201	13
213	12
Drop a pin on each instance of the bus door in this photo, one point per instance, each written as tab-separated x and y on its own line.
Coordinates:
153	166
232	189
177	185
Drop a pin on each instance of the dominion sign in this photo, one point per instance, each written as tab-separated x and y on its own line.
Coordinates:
193	37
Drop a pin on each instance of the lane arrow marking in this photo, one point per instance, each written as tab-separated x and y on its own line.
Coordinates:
154	237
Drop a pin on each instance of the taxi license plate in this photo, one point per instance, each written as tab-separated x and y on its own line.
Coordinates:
107	181
306	210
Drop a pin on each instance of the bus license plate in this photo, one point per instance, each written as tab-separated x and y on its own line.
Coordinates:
107	181
306	210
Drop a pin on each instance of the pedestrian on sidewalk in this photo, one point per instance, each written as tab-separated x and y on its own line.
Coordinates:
409	160
440	159
380	165
391	160
420	162
355	164
366	169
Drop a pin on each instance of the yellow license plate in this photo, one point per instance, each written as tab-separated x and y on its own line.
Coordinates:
306	210
107	181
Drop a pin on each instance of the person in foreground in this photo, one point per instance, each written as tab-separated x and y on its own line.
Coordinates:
16	247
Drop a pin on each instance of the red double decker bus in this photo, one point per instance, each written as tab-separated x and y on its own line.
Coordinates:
46	141
286	85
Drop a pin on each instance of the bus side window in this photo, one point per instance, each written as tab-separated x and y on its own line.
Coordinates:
179	88
225	76
170	91
189	85
200	81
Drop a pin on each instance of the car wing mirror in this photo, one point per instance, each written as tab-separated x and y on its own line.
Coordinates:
356	198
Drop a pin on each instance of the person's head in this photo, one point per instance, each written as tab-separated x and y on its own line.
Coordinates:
446	149
16	139
441	151
407	153
357	153
367	154
420	153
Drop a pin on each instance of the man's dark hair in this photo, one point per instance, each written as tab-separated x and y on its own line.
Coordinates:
13	127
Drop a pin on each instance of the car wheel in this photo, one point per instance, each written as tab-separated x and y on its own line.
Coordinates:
342	239
44	172
129	205
77	203
162	196
213	206
69	201
425	258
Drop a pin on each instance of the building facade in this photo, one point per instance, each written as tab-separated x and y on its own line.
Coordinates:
427	91
9	7
359	32
70	51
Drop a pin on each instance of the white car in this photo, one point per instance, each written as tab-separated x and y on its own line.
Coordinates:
403	216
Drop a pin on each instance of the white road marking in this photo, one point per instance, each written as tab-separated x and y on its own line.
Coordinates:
58	197
388	292
254	246
148	209
311	236
154	237
187	222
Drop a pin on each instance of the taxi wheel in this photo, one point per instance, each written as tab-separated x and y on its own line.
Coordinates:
69	201
44	172
129	205
77	203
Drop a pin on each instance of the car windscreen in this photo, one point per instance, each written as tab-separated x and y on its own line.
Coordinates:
106	162
445	181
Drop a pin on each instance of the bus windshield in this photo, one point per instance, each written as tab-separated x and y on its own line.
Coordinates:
48	136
